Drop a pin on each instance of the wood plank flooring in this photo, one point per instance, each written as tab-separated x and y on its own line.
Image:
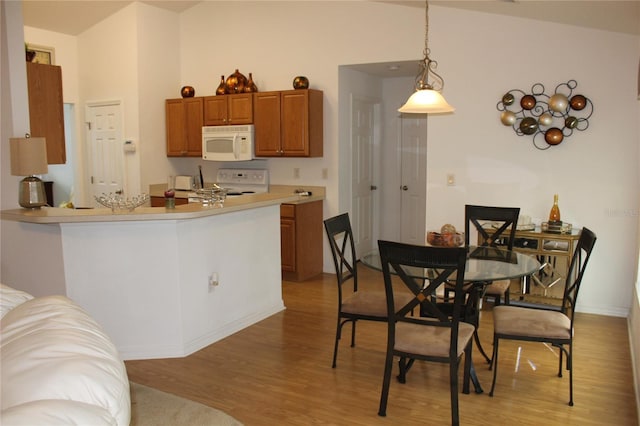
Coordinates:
279	372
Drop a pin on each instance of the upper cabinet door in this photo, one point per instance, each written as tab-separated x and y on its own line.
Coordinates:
302	123
266	118
240	109
46	110
184	127
215	110
228	109
288	123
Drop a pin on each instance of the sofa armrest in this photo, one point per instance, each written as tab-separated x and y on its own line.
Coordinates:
53	350
10	298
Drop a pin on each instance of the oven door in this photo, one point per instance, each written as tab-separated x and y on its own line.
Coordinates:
233	146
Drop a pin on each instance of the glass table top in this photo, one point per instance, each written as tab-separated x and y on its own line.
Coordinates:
483	264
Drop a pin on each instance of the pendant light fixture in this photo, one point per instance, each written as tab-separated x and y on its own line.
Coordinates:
427	98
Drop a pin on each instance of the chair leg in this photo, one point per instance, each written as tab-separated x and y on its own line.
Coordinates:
386	382
570	367
353	332
453	383
507	297
335	346
467	369
404	367
480	348
494	363
561	350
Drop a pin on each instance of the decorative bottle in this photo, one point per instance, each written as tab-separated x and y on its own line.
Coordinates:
554	214
222	87
250	87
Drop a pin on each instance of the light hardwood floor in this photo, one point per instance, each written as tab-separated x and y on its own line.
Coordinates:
279	372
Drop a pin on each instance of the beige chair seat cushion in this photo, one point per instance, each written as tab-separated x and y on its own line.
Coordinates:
430	341
372	303
528	322
497	288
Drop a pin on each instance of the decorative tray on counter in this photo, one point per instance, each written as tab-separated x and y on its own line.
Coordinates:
562	228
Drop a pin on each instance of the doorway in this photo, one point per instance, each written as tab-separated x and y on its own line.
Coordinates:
413	170
105	150
365	139
387	168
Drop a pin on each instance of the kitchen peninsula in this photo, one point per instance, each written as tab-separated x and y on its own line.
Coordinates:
163	283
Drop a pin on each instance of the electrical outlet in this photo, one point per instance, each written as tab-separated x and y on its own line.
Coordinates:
296	173
325	173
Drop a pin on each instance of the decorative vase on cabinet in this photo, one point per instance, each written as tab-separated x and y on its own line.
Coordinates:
250	87
222	87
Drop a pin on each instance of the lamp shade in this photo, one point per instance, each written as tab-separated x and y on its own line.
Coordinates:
426	101
28	156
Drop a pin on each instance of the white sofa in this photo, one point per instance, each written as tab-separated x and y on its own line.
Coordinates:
58	367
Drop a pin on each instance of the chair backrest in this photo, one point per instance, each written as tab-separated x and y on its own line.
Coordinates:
423	269
576	271
507	218
343	250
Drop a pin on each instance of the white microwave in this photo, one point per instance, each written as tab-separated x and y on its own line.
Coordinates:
227	143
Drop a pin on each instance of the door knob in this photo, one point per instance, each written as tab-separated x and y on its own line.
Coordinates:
405	187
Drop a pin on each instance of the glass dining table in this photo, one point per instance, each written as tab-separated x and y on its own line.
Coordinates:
484	265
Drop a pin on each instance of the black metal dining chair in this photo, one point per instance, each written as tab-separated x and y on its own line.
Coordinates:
502	234
505	221
552	326
354	303
441	337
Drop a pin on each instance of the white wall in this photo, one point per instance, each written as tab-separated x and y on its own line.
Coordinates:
492	165
595	172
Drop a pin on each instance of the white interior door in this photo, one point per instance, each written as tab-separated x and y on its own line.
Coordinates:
105	150
364	123
414	180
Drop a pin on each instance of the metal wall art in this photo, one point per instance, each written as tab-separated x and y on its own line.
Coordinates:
548	118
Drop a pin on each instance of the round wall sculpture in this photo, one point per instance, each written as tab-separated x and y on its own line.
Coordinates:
549	119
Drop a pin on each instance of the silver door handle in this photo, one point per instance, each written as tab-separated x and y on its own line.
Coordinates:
405	187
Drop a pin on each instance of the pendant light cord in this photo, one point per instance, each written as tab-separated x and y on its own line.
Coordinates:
428	65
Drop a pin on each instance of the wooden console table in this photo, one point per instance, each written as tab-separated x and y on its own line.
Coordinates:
552	250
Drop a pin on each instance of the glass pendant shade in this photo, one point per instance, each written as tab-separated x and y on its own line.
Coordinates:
427	98
426	101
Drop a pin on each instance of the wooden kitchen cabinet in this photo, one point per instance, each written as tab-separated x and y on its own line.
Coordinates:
46	111
301	240
228	109
288	123
184	127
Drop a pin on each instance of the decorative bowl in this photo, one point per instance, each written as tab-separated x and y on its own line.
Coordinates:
117	202
446	239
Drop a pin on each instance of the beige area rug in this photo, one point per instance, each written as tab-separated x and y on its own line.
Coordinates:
151	407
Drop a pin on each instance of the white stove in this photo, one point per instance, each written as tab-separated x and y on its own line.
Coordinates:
243	181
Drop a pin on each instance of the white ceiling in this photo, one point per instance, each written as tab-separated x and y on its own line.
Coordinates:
74	17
